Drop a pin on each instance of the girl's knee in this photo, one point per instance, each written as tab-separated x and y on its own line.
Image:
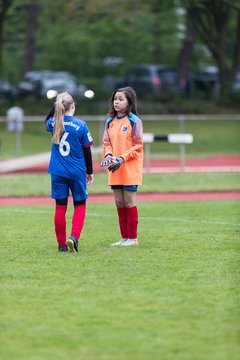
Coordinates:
129	204
119	203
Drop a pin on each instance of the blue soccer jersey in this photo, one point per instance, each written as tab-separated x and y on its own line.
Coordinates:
67	158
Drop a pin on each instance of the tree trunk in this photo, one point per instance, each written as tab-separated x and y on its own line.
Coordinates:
211	20
30	37
186	50
4	7
236	66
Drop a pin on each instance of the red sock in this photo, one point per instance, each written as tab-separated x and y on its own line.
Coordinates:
78	220
132	222
60	224
122	219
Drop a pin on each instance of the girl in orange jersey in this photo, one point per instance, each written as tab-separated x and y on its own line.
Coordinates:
123	155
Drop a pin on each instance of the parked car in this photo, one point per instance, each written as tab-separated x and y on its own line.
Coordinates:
236	84
152	79
7	91
37	83
207	80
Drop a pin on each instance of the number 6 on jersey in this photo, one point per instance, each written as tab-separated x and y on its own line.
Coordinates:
64	146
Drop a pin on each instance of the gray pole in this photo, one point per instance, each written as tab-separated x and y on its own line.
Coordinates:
18	143
181	119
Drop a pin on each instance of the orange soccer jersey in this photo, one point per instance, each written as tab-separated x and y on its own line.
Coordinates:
123	136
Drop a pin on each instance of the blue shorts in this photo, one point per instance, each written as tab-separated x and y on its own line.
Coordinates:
61	187
125	187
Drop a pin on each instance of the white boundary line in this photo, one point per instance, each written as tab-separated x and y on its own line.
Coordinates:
169	219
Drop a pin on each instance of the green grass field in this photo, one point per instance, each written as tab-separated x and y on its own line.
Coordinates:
175	296
210	137
39	184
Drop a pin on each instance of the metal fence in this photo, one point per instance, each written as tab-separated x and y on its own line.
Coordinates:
156	117
100	120
181	118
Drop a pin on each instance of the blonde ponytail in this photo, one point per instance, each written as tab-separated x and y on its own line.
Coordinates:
62	104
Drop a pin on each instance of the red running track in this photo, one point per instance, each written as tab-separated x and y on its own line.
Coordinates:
218	163
222	163
141	197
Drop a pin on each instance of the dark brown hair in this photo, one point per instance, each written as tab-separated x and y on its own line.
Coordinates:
131	98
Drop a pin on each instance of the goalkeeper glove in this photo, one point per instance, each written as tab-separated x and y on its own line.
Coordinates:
106	161
116	163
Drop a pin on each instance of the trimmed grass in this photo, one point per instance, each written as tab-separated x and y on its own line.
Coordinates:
176	296
210	137
39	184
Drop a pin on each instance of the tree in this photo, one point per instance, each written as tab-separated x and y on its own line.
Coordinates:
4	7
217	24
185	54
32	13
77	35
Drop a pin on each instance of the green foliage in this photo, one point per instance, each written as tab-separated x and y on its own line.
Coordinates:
78	36
216	24
176	295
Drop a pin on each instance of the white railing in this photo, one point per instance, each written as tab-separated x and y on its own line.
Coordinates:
155	117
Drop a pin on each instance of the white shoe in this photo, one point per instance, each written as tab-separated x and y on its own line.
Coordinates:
119	242
130	242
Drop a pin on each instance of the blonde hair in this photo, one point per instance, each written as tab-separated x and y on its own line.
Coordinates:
62	105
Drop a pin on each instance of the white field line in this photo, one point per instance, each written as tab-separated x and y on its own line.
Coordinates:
207	222
157	218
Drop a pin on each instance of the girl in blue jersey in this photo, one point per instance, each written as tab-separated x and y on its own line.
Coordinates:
70	168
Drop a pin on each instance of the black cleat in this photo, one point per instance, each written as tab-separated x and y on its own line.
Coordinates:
72	244
62	248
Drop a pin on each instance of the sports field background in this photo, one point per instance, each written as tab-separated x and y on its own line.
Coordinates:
175	296
210	137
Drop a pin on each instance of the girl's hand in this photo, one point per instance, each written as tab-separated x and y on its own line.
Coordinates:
89	179
106	161
116	163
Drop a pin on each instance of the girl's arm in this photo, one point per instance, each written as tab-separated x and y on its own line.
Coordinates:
106	142
87	153
50	114
137	142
